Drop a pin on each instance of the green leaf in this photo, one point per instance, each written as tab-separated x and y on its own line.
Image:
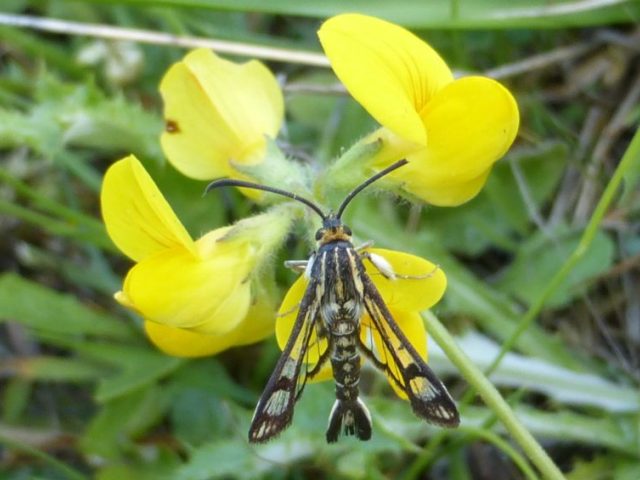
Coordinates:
613	432
198	416
606	466
94	273
56	369
138	367
304	439
41	308
120	420
224	458
113	125
537	261
80	115
36	131
37	46
462	13
15	399
560	385
541	172
209	375
148	467
202	392
46	466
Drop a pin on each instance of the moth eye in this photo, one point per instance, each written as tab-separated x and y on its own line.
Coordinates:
346	230
319	234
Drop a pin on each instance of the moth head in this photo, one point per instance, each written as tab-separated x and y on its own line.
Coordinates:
333	229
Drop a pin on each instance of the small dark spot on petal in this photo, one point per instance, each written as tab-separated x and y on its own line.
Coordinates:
171	126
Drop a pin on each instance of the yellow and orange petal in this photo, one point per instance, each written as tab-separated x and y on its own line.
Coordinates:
137	217
218	111
392	73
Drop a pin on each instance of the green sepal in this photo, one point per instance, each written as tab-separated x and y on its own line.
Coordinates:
276	170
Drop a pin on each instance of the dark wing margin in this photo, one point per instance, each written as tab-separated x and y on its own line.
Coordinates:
428	396
274	411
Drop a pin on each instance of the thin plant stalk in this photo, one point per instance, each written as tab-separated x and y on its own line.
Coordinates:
630	160
492	398
62	467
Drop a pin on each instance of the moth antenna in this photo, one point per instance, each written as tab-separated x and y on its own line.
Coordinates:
368	182
227	182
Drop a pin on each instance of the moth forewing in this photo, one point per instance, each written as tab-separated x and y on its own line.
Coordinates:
427	394
274	411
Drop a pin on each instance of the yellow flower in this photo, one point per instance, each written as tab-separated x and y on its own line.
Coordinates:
451	131
218	113
195	296
405	298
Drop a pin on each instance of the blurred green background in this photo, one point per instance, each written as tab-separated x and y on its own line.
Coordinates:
84	395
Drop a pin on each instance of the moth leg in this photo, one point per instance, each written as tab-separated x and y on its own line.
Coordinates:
367	244
298	266
301	266
386	270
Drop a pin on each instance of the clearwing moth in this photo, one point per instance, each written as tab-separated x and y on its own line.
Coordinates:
338	294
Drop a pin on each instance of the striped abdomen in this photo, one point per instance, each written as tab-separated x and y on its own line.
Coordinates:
341	309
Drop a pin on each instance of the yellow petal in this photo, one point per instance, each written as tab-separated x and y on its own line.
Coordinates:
471	123
450	195
217	111
180	342
138	218
259	322
388	70
407	294
412	326
288	310
209	293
